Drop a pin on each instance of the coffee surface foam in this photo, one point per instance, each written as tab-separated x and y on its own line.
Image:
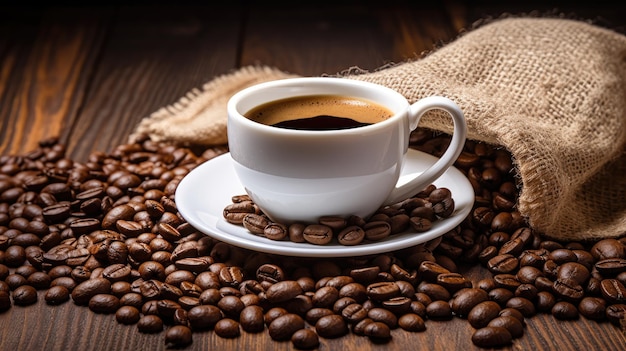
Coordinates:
360	110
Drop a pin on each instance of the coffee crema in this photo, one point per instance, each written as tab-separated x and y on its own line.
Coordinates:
319	112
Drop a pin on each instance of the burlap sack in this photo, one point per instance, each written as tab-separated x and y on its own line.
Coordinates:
551	91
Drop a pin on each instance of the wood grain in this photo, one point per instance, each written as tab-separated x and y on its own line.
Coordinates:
151	58
45	71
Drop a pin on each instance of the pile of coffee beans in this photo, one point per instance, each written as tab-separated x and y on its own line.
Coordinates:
416	213
106	234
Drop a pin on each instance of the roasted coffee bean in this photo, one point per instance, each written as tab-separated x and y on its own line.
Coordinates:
150	324
131	299
453	281
255	223
120	212
231	276
398	305
399	223
352	235
564	310
430	270
204	317
178	336
504	263
39	280
492	337
84	226
177	277
412	322
56	295
544	284
117	272
434	291
283	291
512	324
283	327
335	222
611	267
193	264
231	306
377	230
382	291
377	330
14	256
180	316
235	213
383	315
481	314
544	301
528	274
24	295
275	231
339	281
305	339
150	307
359	328
616	313
66	282
273	313
525	306
296	232
56	213
439	310
83	292
608	248
104	303
270	273
325	296
166	308
314	314
317	234
568	289
613	291
593	308
342	303
120	288
251	319
5	301
353	313
331	326
465	299
418	308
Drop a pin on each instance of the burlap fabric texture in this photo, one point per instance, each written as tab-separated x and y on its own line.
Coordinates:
551	91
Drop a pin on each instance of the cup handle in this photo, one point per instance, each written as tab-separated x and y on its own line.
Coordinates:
419	181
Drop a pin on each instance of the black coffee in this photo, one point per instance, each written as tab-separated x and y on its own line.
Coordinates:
320	123
319	112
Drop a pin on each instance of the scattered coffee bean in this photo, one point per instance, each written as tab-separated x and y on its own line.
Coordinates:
56	295
305	339
178	336
150	324
492	337
127	315
24	295
107	233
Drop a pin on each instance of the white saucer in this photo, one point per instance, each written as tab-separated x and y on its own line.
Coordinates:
203	193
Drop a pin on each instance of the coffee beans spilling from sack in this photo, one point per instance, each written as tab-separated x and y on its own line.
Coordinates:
106	234
416	213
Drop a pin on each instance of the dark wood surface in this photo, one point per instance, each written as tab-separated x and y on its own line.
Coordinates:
89	73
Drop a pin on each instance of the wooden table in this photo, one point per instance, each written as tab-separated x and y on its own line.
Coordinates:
89	73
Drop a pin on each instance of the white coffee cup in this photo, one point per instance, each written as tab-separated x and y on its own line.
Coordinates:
302	175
